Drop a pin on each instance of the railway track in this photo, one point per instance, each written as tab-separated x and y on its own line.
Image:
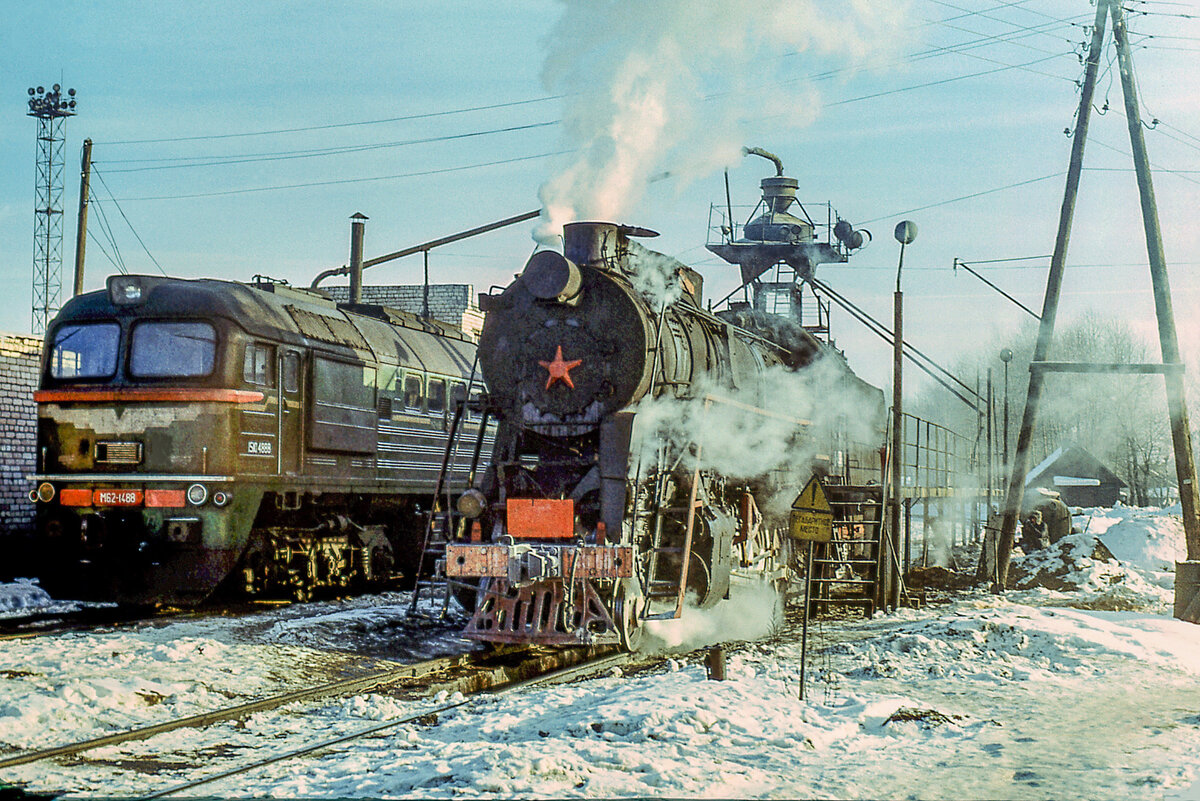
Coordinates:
466	674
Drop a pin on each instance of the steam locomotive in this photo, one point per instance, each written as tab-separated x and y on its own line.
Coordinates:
609	501
197	435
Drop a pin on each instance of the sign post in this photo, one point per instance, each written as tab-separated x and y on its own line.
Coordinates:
811	520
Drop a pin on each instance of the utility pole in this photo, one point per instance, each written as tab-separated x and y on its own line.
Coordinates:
1021	460
906	232
1181	438
49	109
1171	368
85	178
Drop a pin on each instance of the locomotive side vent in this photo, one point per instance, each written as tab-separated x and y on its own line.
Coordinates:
118	452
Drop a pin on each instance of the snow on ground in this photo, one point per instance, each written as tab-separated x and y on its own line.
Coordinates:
1086	689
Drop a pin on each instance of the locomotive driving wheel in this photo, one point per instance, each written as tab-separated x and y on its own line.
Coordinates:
628	604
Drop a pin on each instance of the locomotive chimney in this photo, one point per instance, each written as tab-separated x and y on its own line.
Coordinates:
593	243
357	225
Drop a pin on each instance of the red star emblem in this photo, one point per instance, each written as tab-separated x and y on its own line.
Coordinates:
560	369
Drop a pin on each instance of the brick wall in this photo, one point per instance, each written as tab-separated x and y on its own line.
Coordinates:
19	356
451	303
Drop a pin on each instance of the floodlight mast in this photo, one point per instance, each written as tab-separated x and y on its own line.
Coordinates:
49	108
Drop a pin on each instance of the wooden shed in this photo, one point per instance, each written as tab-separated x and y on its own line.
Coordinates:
1077	476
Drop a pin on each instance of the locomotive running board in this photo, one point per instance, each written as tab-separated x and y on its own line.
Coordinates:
531	614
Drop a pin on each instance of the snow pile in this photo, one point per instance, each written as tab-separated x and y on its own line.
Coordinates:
1148	539
23	596
1122	559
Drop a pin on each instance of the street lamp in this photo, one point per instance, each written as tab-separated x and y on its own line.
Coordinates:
906	232
1006	357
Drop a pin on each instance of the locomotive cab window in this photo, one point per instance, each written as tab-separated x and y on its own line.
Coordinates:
437	396
257	368
85	351
172	350
473	409
412	391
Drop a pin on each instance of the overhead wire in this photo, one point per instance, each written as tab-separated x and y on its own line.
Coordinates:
106	231
404	118
339	181
127	221
216	161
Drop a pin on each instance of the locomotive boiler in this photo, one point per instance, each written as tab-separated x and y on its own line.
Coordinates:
196	435
599	510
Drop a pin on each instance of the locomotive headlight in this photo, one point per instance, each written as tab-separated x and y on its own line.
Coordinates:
221	498
197	494
472	504
125	290
45	492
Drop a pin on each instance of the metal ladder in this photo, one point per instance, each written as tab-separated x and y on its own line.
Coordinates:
846	570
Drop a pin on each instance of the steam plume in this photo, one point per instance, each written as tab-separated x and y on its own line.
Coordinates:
671	84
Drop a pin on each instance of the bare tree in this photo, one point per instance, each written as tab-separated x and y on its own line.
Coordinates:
1119	418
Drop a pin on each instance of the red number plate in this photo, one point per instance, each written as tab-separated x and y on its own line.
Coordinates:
117	497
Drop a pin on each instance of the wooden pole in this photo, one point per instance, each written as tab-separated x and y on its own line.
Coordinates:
1181	438
1022	458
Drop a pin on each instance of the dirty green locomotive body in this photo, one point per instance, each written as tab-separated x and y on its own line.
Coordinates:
196	435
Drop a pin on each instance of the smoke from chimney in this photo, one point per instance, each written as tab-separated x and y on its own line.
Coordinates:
671	85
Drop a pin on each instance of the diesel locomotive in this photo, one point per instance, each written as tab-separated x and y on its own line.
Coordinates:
609	501
205	435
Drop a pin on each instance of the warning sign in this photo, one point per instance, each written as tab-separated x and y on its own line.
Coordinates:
812	516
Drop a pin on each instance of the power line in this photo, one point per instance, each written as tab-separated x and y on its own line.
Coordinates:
351	180
945	80
127	222
964	197
219	161
427	115
106	231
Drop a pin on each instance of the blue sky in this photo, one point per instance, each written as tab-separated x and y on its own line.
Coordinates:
889	114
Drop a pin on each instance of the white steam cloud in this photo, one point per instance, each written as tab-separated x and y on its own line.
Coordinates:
754	610
671	84
774	427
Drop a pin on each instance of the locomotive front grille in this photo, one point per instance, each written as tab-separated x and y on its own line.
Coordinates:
118	452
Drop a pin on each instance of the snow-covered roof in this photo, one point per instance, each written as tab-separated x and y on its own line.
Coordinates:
1081	469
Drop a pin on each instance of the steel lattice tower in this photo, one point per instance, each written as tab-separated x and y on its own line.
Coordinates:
50	109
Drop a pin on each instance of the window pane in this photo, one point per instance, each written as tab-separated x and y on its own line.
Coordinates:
291	372
85	351
458	393
172	349
256	369
437	395
412	391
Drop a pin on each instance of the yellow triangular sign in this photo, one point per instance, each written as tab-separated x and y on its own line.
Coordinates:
812	498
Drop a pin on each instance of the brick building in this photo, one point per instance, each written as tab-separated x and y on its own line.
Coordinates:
451	303
19	357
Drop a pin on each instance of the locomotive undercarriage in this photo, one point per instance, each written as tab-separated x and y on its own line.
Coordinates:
302	544
590	591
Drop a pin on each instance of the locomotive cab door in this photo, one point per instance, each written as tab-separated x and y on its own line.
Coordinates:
291	417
